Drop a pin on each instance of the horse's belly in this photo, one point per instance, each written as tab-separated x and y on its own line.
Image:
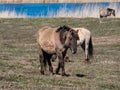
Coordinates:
48	47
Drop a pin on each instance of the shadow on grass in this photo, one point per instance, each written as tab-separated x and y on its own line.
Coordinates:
81	75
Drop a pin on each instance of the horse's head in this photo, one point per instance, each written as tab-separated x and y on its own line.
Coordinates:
111	11
69	38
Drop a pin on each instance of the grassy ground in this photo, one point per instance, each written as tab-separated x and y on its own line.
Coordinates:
19	64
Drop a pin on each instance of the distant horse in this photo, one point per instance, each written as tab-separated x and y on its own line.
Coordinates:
107	12
56	41
85	41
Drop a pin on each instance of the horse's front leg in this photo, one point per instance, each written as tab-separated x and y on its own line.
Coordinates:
61	56
50	65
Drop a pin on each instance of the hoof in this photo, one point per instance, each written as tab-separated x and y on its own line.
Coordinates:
66	75
42	72
51	75
87	62
57	71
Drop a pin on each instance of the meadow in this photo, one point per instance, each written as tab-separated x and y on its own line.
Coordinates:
19	64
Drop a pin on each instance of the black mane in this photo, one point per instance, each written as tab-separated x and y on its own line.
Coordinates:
109	9
62	31
62	28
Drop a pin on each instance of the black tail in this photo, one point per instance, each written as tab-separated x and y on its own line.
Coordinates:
90	48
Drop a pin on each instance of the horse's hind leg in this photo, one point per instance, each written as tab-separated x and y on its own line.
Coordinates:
85	46
41	59
86	52
49	63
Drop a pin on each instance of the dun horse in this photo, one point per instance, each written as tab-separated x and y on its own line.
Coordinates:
107	12
85	41
56	41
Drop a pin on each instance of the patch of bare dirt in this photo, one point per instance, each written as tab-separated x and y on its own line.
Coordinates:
106	40
24	61
27	64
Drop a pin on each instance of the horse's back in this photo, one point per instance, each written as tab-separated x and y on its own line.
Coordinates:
46	31
46	39
82	31
84	34
103	12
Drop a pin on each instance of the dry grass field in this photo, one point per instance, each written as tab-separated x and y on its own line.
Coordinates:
19	64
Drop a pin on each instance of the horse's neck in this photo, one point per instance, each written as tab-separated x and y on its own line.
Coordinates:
58	42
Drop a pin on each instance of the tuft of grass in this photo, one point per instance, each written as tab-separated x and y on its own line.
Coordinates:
109	86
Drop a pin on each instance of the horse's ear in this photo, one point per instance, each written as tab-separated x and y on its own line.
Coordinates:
75	33
77	30
71	30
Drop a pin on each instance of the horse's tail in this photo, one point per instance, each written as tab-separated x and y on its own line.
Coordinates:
90	48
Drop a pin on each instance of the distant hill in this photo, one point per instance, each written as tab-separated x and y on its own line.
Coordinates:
55	1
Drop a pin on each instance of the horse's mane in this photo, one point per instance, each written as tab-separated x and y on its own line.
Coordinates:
110	9
62	30
64	27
